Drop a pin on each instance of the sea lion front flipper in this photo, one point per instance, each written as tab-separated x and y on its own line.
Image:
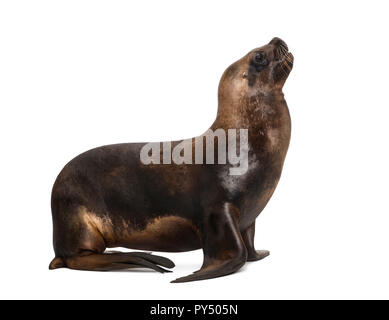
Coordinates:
224	249
248	238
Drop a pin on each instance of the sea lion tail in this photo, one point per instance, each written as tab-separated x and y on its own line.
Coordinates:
114	261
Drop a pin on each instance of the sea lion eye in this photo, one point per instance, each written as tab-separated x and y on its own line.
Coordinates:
260	58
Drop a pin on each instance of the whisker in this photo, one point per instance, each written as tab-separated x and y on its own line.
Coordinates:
283	49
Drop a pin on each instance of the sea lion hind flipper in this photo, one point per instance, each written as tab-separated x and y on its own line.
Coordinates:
56	263
117	261
164	262
224	249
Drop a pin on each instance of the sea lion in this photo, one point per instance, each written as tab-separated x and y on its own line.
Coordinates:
107	197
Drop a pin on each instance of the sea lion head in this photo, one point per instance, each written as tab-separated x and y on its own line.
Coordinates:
263	69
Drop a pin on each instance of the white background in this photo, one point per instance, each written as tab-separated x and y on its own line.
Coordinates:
80	74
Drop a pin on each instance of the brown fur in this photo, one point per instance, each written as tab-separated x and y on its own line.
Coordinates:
107	198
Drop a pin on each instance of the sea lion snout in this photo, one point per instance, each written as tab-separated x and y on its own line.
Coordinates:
279	43
280	49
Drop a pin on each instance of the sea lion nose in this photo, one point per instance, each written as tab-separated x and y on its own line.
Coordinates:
279	42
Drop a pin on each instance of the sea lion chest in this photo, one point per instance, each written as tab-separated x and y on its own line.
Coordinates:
268	140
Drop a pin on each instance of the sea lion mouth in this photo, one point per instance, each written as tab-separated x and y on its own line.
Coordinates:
284	66
287	60
282	56
283	59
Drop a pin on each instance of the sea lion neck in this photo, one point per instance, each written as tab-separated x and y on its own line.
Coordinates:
249	110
